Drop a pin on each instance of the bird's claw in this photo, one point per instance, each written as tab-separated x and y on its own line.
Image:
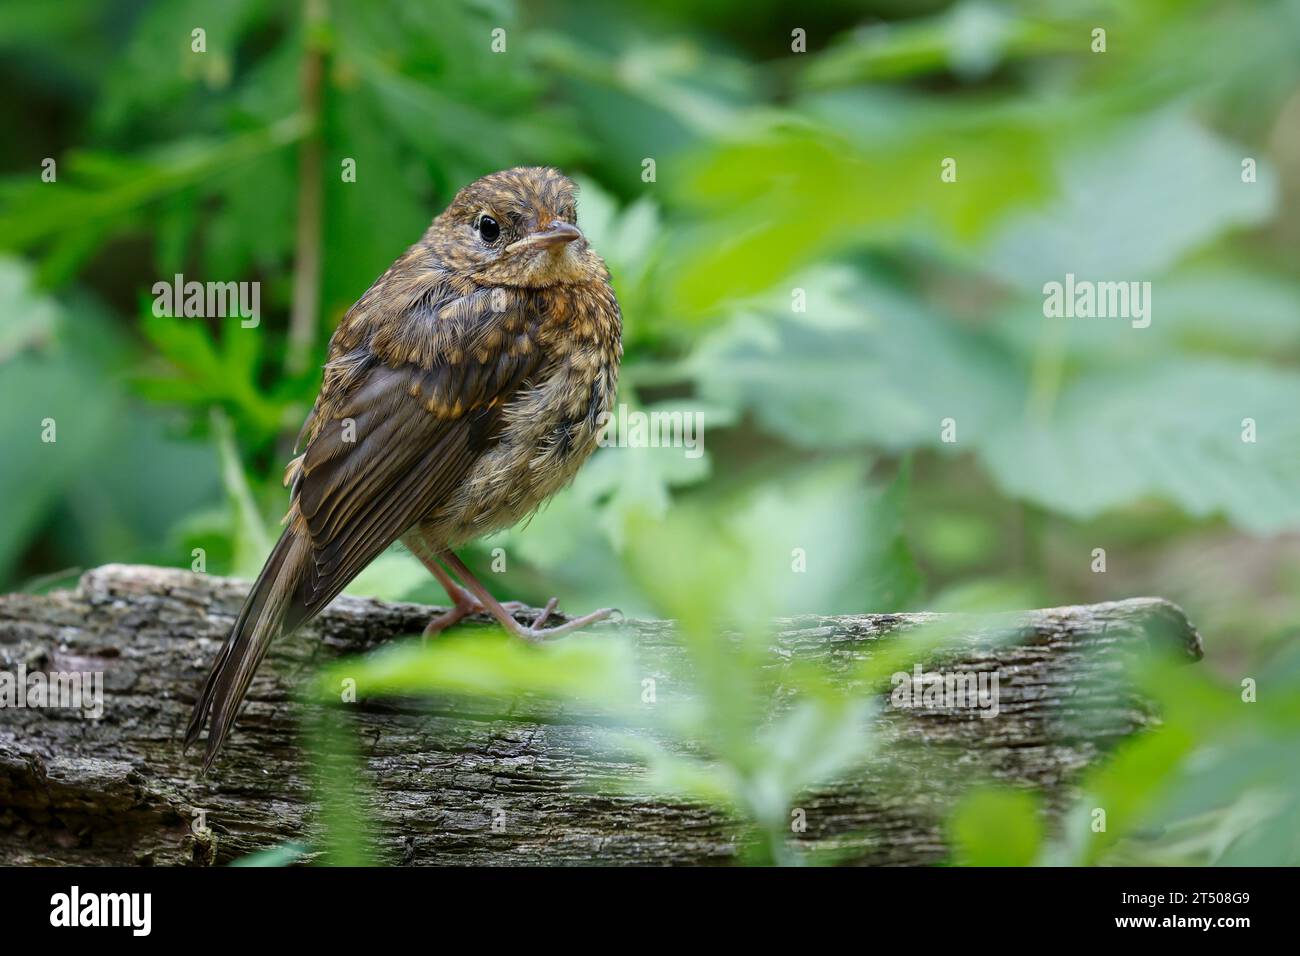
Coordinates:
544	613
536	634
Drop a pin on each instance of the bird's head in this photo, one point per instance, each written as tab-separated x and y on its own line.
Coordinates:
517	227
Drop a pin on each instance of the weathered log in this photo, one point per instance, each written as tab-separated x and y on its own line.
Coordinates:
117	790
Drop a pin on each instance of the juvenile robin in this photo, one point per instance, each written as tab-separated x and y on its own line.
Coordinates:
466	386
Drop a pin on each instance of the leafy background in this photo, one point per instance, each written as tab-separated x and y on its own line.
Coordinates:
775	171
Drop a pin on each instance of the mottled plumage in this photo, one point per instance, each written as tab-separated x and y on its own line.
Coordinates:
463	388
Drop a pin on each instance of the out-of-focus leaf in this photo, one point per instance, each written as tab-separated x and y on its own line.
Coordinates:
812	743
1199	309
35	210
825	541
30	320
160	73
969	38
794	190
887	375
594	667
204	372
1133	205
997	828
1171	430
61	390
286	854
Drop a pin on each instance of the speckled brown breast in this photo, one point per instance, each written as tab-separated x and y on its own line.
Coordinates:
551	426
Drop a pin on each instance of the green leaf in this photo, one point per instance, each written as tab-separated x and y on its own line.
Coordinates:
798	188
61	381
817	739
108	195
285	854
997	827
30	319
867	366
826	541
1132	205
1170	430
592	667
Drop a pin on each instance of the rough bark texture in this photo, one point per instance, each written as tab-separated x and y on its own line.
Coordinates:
117	790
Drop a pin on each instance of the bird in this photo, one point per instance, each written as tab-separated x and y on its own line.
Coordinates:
465	387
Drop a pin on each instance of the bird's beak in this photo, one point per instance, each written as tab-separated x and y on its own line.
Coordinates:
556	234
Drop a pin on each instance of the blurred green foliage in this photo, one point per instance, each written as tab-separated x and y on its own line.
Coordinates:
1216	784
775	171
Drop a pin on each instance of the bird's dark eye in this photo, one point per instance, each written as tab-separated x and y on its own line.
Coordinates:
488	228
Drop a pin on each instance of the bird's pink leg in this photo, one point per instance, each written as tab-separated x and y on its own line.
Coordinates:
464	603
535	631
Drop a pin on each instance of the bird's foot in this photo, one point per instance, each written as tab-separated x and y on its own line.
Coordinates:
535	633
505	613
453	615
466	604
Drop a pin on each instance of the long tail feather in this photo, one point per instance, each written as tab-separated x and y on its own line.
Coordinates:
260	621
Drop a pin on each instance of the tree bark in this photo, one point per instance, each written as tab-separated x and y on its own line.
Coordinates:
117	790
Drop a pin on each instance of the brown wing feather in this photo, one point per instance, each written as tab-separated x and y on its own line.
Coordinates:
356	498
387	441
